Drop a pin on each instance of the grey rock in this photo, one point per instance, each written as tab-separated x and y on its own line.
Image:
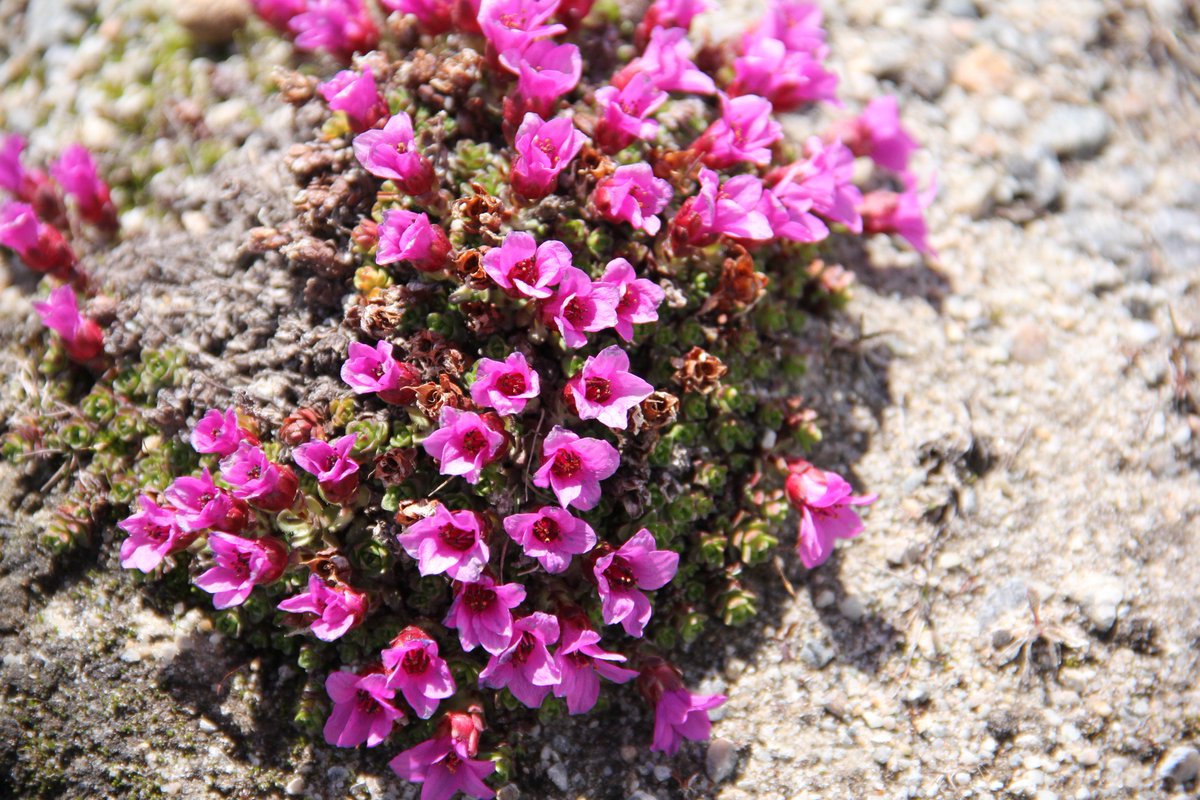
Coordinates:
959	8
662	773
1074	131
1180	766
508	792
816	654
51	21
559	777
1100	598
1031	184
295	786
720	760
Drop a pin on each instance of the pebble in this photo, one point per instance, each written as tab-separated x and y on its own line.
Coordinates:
816	654
212	21
1074	131
825	599
1180	766
1029	343
1088	757
853	609
1100	598
559	777
720	760
662	773
984	69
295	786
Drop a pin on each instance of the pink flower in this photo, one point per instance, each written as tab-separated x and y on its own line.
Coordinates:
435	16
582	663
796	24
625	111
370	370
903	213
605	389
258	480
200	504
414	667
76	172
357	95
670	14
506	386
81	337
543	150
573	467
14	178
482	613
465	443
513	25
551	535
632	194
638	298
825	179
362	709
678	714
40	245
331	610
218	432
788	78
877	133
340	27
278	13
667	60
545	72
154	534
443	770
523	268
580	306
330	462
621	575
730	210
744	133
790	215
525	667
391	152
451	542
824	500
241	564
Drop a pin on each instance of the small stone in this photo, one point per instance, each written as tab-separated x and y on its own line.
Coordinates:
984	69
207	725
853	609
1100	598
295	786
1180	766
881	755
662	773
1074	131
508	791
825	599
559	777
816	654
212	21
1029	343
629	753
917	696
720	759
1088	757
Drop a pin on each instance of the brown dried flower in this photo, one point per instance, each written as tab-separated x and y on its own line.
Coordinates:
698	371
395	466
660	409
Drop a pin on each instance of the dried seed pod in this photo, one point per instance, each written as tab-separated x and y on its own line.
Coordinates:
480	212
699	371
740	284
294	87
660	409
395	466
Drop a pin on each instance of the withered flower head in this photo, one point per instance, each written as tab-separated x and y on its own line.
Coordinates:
698	371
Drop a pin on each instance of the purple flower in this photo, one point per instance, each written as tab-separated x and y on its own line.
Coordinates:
200	504
678	714
525	667
523	268
513	25
790	215
40	245
903	213
878	134
639	298
258	480
632	194
358	97
546	72
551	535
482	613
824	500
330	462
331	610
622	574
465	443
391	152
729	210
76	172
410	236
362	709
154	534
667	60
796	24
374	370
605	389
241	564
624	113
435	16
14	178
218	432
81	337
443	770
414	667
543	150
506	386
788	78
580	306
573	467
340	27
451	542
825	179
671	14
278	13
583	662
744	133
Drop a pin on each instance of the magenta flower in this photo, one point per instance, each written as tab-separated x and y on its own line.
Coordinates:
729	210
580	306
671	14
678	714
624	113
543	150
414	667
523	268
258	480
40	245
605	389
14	178
583	662
796	24
525	667
154	534
435	16
825	179
790	215
667	60
241	564
513	25
787	78
76	172
638	298
878	134
551	535
482	613
362	709
903	214
443	770
745	132
218	432
632	194
573	467
81	337
329	610
545	72
506	386
330	462
200	504
278	13
339	27
357	95
453	542
370	370
391	152
622	574
824	500
465	443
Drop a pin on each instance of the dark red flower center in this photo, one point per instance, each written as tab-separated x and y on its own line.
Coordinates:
566	463
627	303
364	701
547	147
157	533
452	762
473	441
524	648
545	530
330	461
525	271
457	538
415	661
619	575
576	311
598	390
478	598
511	384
